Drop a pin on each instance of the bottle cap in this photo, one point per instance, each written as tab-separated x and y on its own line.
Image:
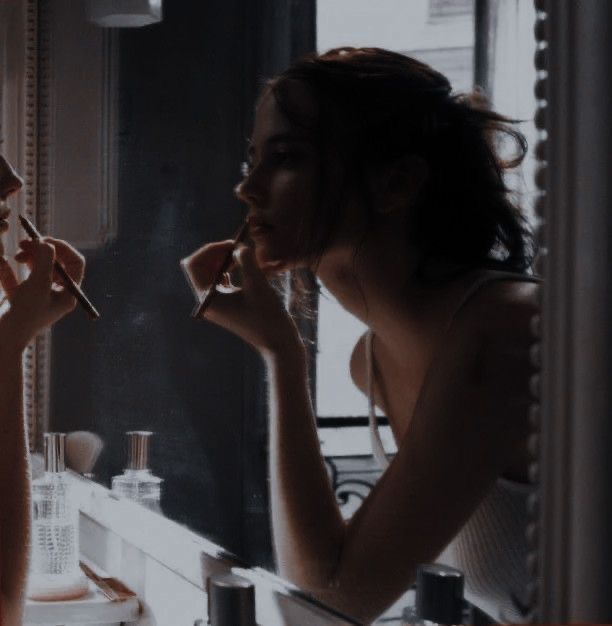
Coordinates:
439	594
54	445
138	449
231	601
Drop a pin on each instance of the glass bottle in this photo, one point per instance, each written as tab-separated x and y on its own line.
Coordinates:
137	483
54	569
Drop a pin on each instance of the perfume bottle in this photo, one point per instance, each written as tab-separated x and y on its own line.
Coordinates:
137	482
54	569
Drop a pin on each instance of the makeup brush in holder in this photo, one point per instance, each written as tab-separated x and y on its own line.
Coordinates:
82	451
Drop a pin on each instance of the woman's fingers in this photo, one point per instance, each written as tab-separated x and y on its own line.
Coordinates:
8	280
62	302
72	260
37	300
253	310
226	309
42	255
202	266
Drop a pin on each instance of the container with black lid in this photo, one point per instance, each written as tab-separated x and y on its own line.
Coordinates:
231	601
439	597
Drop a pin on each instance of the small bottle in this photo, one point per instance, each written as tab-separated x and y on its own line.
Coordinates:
439	595
54	569
137	482
231	601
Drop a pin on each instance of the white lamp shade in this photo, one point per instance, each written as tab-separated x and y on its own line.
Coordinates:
125	13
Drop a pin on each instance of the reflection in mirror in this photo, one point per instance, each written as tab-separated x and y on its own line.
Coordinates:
167	110
167	139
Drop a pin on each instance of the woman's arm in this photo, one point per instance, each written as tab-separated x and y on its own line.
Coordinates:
307	524
14	480
308	529
33	307
462	433
465	427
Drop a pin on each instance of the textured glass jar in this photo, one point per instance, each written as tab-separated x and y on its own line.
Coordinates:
137	483
54	568
140	486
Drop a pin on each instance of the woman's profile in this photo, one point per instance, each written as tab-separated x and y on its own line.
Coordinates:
365	168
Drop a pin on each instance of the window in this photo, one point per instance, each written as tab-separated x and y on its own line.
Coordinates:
442	34
409	28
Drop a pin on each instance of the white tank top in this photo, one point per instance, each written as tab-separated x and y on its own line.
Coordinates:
491	548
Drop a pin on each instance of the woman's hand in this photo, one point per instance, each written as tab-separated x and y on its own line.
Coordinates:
41	299
253	311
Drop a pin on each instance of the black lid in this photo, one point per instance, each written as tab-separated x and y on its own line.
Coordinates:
231	601
439	594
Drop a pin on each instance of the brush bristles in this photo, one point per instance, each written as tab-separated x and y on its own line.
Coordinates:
82	450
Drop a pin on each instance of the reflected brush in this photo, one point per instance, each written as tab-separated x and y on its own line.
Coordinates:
201	307
70	285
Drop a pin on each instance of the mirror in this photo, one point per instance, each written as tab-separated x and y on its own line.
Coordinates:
144	132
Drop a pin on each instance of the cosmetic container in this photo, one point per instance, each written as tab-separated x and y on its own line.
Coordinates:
231	601
137	483
439	597
54	569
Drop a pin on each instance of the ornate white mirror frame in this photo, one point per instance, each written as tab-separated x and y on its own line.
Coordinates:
22	139
571	442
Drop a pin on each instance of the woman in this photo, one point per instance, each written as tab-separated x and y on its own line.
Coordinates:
366	169
28	307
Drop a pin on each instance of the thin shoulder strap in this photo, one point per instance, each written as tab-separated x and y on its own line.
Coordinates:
377	446
376	442
489	277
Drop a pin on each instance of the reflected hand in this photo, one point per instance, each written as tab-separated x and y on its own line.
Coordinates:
253	311
41	299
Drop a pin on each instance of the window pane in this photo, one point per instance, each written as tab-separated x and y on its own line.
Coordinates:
394	24
338	333
412	28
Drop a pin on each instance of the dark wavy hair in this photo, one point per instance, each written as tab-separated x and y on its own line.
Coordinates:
375	106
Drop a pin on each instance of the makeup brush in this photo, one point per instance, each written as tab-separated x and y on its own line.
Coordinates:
82	450
70	285
201	307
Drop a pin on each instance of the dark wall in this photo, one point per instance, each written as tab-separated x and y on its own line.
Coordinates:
187	89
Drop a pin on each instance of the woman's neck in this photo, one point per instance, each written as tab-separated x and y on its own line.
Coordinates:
378	286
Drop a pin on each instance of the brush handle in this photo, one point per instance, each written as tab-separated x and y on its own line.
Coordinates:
72	287
201	307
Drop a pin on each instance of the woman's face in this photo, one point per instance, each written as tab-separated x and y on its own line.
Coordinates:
10	182
280	188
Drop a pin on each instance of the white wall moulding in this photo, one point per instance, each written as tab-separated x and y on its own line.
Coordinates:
77	109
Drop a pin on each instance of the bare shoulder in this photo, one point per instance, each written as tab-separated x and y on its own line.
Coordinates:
357	364
492	333
501	312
